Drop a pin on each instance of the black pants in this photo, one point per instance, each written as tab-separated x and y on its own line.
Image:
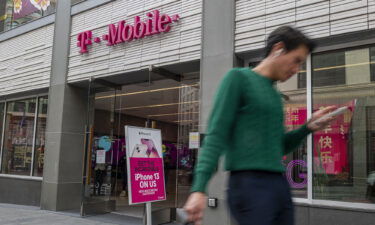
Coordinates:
260	198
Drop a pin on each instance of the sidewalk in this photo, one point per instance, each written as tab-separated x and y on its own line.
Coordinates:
27	215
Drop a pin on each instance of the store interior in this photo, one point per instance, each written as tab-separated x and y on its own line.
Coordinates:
155	98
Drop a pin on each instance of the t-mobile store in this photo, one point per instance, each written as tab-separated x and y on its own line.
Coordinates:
78	72
126	63
141	68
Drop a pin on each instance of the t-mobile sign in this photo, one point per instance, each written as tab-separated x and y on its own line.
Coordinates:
155	23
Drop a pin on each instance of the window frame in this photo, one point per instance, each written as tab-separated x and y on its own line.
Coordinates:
31	176
368	207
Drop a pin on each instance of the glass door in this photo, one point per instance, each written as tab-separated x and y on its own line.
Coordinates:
99	175
155	99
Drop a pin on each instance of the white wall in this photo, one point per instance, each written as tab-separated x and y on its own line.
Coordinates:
318	18
181	44
25	61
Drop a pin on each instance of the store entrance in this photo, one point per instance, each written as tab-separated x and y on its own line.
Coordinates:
156	99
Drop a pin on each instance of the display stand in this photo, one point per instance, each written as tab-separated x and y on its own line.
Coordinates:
148	213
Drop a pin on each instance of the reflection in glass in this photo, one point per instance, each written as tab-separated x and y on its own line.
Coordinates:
40	136
2	108
302	77
328	69
14	13
18	141
295	114
343	153
6	12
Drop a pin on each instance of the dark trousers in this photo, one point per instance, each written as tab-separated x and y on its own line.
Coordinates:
260	198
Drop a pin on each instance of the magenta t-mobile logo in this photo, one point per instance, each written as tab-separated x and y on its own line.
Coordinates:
154	23
289	174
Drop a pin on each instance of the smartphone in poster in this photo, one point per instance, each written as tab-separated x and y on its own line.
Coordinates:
145	165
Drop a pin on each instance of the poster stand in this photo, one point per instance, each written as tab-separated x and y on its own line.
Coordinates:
148	213
145	168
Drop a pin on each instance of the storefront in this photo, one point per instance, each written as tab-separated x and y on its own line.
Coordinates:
143	67
106	64
154	101
149	77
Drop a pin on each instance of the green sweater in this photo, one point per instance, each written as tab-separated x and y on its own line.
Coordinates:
247	126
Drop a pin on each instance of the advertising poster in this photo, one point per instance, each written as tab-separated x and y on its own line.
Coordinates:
145	165
100	156
194	140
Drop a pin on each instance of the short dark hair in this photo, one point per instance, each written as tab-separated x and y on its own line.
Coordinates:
291	37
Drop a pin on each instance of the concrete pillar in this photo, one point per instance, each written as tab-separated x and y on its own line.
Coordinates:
62	180
217	57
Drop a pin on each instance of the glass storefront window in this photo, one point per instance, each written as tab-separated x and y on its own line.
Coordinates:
6	12
372	63
14	13
40	136
332	74
18	141
329	69
17	152
302	77
2	108
295	113
343	154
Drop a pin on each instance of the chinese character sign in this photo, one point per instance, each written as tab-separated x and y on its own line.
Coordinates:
295	116
330	144
145	165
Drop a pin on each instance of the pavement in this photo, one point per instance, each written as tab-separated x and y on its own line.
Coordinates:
29	215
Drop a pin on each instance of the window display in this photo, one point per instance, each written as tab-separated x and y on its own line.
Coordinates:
40	137
343	153
295	115
18	140
19	137
296	162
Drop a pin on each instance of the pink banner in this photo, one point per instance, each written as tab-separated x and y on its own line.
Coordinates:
295	116
330	144
145	165
147	179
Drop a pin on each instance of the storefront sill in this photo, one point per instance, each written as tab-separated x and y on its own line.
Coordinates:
336	205
21	177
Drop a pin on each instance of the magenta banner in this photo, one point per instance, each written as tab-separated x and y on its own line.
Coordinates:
145	165
330	144
147	179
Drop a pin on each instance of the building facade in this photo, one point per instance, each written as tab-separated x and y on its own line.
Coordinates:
74	73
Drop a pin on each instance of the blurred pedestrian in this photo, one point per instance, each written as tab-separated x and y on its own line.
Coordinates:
246	126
